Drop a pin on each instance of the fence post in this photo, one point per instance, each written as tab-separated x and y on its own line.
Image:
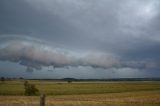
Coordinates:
42	100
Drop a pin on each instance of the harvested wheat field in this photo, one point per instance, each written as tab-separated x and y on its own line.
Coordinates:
112	93
143	98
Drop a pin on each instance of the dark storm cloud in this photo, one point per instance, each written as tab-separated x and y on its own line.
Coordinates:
108	23
20	17
126	30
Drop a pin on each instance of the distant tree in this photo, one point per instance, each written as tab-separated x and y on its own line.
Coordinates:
21	78
2	79
69	81
30	89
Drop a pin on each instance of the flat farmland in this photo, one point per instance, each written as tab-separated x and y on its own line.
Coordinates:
85	93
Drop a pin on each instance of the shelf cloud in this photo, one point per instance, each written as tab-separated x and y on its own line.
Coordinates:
34	54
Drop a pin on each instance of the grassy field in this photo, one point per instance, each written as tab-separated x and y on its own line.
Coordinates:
118	93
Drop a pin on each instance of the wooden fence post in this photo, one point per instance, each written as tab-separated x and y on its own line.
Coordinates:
42	100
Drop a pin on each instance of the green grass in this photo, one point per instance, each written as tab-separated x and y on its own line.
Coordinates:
77	88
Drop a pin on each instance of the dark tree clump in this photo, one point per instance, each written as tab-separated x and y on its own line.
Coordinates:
2	79
69	81
30	89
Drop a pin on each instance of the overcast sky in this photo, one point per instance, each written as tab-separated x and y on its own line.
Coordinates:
80	38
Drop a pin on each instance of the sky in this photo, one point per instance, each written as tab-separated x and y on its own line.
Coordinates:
80	38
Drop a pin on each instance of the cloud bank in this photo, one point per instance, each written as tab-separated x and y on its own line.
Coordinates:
34	54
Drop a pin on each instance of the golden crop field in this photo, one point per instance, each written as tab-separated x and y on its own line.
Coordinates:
112	93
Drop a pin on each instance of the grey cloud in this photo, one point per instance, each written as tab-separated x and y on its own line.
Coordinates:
109	23
142	64
29	69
